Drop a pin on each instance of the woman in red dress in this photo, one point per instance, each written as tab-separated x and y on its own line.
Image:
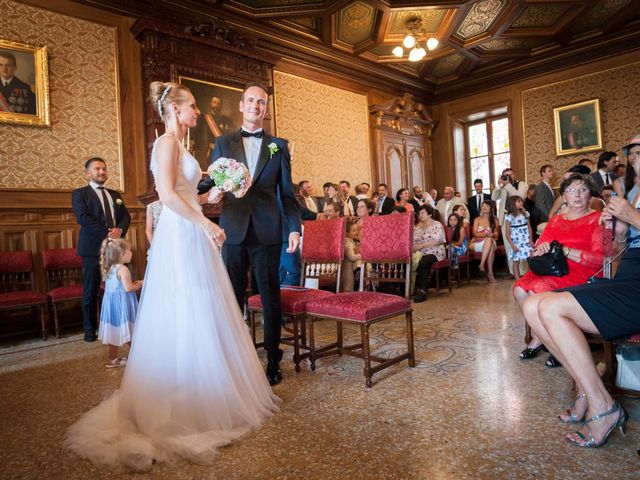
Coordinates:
579	231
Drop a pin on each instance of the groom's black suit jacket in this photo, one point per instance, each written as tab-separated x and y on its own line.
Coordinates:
90	215
260	204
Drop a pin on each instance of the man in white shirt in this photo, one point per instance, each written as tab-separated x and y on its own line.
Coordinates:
475	201
507	186
306	191
544	194
607	163
446	204
347	201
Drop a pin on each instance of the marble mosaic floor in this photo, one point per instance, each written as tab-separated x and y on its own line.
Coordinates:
469	410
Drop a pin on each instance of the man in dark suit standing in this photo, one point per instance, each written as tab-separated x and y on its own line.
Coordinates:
253	223
544	196
475	201
101	213
607	163
385	204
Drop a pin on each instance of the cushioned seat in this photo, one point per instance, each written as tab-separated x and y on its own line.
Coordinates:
359	306
21	298
60	294
292	300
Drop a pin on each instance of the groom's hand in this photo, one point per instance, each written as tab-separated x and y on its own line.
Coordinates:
294	242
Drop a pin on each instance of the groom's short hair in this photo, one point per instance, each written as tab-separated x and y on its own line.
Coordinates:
92	159
257	85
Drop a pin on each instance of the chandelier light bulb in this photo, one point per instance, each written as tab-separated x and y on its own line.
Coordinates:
398	51
432	43
422	52
414	55
409	41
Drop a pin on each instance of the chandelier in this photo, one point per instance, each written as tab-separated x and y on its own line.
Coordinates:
413	39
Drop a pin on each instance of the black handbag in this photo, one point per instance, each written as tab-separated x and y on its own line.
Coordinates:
553	263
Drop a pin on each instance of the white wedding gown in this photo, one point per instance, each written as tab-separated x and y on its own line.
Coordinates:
193	380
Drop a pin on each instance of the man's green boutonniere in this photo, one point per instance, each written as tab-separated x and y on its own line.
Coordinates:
273	148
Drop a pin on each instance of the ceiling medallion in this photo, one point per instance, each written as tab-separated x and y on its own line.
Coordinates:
412	39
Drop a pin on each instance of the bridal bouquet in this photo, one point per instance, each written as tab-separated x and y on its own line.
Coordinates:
229	175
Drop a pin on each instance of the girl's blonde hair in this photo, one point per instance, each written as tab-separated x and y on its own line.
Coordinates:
111	252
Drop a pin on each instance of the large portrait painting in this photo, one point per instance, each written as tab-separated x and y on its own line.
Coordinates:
578	127
24	84
221	114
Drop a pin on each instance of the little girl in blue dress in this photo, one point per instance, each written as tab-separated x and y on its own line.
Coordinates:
120	304
518	232
458	243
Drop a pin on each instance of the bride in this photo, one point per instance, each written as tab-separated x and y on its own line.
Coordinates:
193	380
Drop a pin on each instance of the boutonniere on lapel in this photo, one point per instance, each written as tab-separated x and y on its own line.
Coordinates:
119	202
273	148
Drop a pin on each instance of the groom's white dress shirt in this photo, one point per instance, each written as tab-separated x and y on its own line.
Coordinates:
252	150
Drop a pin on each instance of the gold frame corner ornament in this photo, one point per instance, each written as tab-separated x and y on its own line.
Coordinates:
41	118
559	133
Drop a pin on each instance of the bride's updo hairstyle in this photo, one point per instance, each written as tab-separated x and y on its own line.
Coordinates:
163	94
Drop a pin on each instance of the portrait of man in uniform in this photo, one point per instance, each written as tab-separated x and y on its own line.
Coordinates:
16	95
24	84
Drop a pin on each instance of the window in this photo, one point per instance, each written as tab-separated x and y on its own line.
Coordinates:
488	150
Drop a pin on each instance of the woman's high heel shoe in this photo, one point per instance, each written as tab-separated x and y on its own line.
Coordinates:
529	353
621	423
571	411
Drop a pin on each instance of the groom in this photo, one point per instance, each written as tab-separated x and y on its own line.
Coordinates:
253	223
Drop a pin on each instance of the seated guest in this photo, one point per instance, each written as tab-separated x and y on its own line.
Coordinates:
608	308
365	188
332	210
607	162
385	204
330	197
434	195
347	201
559	206
421	197
306	193
429	239
580	233
364	208
485	234
463	213
360	192
447	202
620	170
352	258
458	244
607	192
402	200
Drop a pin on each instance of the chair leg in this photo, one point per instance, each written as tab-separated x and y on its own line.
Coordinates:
252	326
449	278
56	321
43	324
527	333
339	336
469	272
609	360
412	356
296	342
437	282
366	350
312	345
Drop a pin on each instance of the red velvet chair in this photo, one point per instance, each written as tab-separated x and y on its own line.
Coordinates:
386	250
463	260
17	285
322	254
64	278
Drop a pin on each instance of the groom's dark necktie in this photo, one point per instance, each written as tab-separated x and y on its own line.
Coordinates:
108	215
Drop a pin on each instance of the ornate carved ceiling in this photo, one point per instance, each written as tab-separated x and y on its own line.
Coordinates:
483	43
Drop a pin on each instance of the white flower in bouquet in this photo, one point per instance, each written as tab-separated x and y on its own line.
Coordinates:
229	175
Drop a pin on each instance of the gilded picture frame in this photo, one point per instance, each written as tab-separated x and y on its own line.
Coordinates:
220	114
24	100
578	127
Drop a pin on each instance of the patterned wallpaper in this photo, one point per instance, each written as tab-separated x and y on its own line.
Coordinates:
617	89
83	102
329	127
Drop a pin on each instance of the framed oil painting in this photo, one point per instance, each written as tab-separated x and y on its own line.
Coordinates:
221	114
24	84
578	127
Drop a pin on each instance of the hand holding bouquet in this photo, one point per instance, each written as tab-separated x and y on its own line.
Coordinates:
228	175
